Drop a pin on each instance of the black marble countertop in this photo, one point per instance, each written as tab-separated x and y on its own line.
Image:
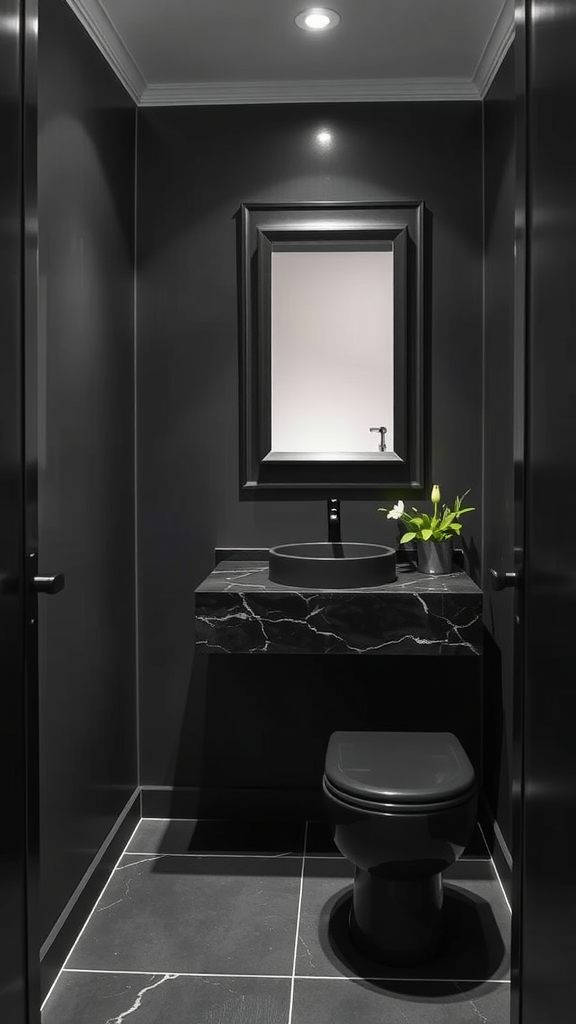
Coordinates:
245	576
238	610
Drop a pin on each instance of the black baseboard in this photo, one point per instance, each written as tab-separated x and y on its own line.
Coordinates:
497	846
233	804
61	938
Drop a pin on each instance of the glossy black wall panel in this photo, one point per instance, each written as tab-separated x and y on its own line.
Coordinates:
86	451
196	166
19	1002
499	195
548	947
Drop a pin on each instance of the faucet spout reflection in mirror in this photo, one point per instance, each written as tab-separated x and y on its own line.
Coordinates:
383	432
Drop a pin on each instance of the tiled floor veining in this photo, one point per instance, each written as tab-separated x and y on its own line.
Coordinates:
220	923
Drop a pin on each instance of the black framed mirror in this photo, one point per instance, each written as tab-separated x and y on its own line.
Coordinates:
331	354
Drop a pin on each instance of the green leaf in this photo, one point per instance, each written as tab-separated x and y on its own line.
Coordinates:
425	519
407	537
461	511
426	534
456	527
458	502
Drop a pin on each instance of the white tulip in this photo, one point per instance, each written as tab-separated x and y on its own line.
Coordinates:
397	512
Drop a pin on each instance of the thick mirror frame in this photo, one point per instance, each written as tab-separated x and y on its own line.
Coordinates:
265	229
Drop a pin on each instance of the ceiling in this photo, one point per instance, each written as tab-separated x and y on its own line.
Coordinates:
250	51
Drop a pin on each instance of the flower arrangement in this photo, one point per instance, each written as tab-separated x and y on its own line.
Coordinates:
440	526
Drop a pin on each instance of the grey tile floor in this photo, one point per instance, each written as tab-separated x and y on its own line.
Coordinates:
219	923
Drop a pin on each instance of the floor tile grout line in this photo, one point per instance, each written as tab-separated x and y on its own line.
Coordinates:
291	1004
144	820
244	856
496	872
277	856
291	822
299	977
177	974
338	856
81	932
403	978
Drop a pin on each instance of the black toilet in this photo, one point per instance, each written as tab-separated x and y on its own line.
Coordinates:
402	807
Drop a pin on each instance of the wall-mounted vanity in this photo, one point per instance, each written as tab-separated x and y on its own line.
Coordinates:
238	610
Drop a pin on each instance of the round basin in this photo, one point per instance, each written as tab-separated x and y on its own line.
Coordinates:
332	566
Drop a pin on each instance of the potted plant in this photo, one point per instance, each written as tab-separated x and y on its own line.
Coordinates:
434	533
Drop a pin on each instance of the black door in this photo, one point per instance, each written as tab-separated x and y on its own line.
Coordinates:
19	1003
546	839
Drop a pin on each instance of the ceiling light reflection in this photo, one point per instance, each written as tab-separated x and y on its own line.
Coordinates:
9	24
324	138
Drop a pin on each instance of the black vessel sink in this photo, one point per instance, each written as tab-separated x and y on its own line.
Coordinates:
332	566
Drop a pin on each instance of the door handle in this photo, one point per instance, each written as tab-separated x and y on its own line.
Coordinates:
48	584
502	580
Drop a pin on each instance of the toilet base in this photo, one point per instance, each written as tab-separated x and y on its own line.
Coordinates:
397	921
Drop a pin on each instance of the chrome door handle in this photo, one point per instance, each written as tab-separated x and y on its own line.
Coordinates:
502	580
49	584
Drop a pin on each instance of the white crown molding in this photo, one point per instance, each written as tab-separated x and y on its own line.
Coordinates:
337	91
102	31
495	50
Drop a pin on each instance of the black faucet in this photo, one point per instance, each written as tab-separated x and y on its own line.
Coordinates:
334	521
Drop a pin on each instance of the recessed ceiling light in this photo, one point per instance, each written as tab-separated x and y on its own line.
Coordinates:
317	19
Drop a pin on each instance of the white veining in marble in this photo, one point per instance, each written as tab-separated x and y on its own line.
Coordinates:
138	1001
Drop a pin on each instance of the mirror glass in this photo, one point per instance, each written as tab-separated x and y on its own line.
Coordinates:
332	351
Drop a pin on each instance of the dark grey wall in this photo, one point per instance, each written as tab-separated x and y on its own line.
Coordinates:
195	168
86	451
499	170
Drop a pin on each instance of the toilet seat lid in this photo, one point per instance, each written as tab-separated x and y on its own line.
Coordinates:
399	767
